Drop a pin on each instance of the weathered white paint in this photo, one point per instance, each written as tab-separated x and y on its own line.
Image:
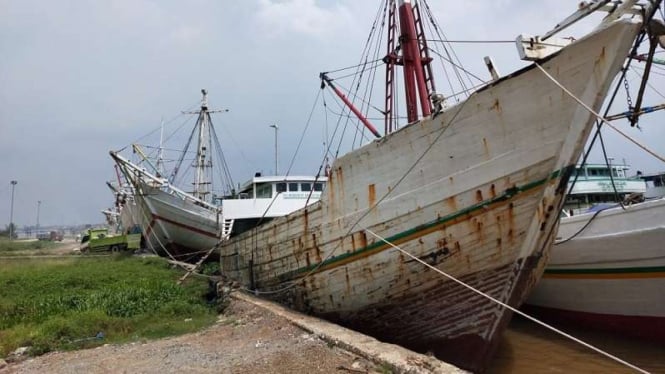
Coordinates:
169	220
486	170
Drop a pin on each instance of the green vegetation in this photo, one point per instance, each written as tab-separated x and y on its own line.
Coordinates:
9	247
65	303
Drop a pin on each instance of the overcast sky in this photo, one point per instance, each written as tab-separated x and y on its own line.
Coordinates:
80	78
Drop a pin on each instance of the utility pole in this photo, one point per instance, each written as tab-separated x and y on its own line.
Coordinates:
11	213
276	162
39	203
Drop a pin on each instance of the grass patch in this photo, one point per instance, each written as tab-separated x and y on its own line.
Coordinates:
64	303
7	246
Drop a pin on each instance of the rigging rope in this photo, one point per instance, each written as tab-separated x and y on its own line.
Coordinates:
450	52
474	41
302	135
165	123
632	68
597	134
598	116
293	283
499	302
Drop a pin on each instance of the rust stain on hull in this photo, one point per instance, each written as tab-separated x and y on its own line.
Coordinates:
371	193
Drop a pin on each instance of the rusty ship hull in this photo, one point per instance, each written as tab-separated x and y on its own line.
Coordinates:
473	190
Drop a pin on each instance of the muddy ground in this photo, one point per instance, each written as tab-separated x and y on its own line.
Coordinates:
246	339
251	336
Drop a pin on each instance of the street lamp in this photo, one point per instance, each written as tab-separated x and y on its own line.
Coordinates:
11	213
276	164
39	203
609	165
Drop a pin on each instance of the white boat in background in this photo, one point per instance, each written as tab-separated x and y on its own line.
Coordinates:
473	190
266	197
187	226
655	185
607	271
124	207
593	184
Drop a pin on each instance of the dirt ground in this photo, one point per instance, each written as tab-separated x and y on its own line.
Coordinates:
246	339
251	336
66	247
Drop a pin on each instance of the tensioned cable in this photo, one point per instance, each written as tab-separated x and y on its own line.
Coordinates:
354	97
146	218
449	51
583	227
514	310
166	123
601	119
633	68
304	131
459	67
293	283
598	116
353	67
598	134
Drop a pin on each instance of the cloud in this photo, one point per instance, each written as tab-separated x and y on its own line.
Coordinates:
305	17
186	34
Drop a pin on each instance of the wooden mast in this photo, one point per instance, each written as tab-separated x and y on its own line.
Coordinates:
414	76
415	61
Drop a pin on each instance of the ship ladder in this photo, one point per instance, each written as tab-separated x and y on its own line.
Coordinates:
227	227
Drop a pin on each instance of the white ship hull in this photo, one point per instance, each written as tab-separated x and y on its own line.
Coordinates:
474	192
129	214
176	227
612	274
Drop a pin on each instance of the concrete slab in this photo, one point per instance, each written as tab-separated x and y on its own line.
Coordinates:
397	358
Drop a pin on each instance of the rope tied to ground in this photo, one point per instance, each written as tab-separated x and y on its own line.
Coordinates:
514	310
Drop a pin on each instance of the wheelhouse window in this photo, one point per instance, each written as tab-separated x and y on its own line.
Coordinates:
264	191
305	187
318	186
293	187
281	187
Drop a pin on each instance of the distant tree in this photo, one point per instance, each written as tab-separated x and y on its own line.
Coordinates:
5	232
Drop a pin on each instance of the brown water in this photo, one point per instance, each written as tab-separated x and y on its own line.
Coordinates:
530	348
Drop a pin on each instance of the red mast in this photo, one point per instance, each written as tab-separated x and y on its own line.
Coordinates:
415	60
390	60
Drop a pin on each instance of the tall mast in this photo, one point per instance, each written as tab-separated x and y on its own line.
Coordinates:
203	162
160	154
390	60
415	62
200	183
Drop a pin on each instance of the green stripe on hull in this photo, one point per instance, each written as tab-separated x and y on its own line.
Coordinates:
507	195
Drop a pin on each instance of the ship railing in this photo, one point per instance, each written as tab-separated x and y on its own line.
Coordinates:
163	183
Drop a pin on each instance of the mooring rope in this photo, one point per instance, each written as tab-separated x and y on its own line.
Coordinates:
356	223
514	310
597	115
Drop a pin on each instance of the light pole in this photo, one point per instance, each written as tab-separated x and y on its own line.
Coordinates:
276	164
609	165
11	213
39	203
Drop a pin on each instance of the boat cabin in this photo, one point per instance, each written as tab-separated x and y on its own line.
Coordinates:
593	185
655	185
263	198
291	187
